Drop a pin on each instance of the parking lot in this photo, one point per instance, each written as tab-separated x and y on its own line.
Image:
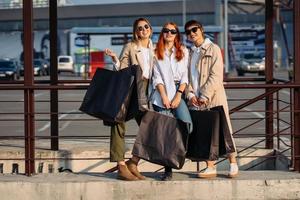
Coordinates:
73	123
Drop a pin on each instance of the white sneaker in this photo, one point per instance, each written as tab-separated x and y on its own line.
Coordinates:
209	172
233	171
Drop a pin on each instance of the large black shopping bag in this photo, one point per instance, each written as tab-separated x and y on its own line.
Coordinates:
111	95
211	137
161	140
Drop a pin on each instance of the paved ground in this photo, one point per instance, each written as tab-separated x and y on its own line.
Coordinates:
92	186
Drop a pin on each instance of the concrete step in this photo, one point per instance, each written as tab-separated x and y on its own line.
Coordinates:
92	156
185	185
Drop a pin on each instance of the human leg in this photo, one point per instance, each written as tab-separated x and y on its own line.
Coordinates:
132	167
117	151
133	162
234	169
168	175
117	142
210	171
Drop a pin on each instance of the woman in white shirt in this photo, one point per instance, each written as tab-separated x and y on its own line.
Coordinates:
170	76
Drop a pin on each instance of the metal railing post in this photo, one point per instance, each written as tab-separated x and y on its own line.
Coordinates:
53	75
269	72
28	93
296	136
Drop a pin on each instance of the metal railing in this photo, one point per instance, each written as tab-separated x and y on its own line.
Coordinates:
283	125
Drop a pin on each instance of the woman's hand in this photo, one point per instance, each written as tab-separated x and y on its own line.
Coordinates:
109	52
166	102
112	54
176	101
202	102
194	101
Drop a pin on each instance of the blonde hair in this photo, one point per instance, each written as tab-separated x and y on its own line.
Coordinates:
135	28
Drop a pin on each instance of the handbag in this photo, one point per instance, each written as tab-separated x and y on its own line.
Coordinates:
162	140
211	137
111	95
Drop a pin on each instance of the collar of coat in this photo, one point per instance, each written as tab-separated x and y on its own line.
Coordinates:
204	48
137	47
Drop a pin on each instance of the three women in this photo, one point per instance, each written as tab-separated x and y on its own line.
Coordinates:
199	72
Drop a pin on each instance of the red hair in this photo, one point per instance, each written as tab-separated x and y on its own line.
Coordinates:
160	46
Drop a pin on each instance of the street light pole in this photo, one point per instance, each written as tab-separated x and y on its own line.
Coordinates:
183	12
226	36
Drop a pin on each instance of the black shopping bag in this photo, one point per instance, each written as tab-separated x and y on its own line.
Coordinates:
211	137
161	140
111	95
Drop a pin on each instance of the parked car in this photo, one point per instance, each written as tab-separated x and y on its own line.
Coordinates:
65	64
9	69
40	67
251	63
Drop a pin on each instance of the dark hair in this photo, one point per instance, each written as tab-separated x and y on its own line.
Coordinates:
135	27
194	23
160	46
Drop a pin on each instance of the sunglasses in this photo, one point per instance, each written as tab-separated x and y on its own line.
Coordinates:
172	31
141	28
194	30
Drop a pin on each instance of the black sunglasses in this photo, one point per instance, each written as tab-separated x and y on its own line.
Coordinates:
146	26
194	30
172	31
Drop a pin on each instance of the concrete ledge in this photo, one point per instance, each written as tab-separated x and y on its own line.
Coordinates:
74	154
65	186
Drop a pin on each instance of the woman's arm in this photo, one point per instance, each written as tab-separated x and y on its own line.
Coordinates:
177	98
114	57
164	98
158	83
124	60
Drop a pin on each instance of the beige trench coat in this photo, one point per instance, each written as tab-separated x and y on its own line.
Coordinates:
211	69
132	55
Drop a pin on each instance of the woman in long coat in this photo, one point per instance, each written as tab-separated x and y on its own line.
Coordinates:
206	83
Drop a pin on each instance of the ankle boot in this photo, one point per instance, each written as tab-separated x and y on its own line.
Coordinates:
125	174
168	175
132	166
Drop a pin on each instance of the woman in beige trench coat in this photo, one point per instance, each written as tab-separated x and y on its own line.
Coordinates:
137	52
206	83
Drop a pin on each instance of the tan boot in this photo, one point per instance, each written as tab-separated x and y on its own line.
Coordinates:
125	174
132	166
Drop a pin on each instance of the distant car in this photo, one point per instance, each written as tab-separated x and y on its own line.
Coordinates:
9	69
40	67
251	64
65	64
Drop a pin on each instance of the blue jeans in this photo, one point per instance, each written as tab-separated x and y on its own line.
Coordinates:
181	112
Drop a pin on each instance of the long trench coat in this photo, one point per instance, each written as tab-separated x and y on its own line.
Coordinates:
132	55
210	67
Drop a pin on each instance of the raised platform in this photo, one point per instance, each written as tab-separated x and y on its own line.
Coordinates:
92	156
185	185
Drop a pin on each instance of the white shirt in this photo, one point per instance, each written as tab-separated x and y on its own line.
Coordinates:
146	57
194	69
166	71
